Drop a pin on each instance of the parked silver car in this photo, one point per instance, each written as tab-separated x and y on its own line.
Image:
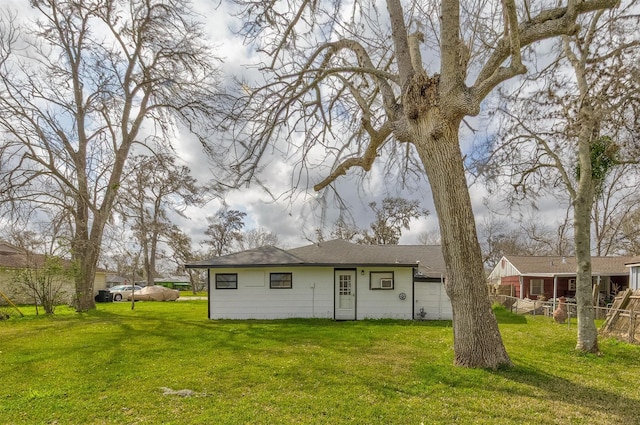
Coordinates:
120	292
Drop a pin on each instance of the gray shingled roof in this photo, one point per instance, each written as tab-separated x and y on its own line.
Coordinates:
13	257
8	249
633	260
567	265
336	253
17	258
264	256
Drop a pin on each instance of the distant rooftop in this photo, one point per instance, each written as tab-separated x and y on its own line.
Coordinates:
567	265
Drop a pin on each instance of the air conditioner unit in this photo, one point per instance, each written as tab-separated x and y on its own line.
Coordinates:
386	283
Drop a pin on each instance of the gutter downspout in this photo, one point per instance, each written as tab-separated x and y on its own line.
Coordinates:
414	271
440	296
555	291
209	293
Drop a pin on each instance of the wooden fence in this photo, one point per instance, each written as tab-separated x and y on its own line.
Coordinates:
623	317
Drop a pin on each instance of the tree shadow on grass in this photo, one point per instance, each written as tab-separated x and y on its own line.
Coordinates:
529	385
554	388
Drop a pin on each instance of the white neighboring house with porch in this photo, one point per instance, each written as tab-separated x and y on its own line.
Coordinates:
333	279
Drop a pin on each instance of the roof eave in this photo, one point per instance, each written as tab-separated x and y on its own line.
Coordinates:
271	265
566	274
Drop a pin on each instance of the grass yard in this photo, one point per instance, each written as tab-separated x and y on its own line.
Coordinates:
117	366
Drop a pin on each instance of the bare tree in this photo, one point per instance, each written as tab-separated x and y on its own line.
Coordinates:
429	237
27	239
256	238
40	230
631	231
224	231
347	82
182	252
613	211
155	187
42	276
497	239
78	88
343	228
391	217
573	130
526	235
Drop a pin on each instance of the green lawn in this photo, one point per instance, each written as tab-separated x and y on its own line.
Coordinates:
112	366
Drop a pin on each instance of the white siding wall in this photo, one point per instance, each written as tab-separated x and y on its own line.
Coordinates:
311	295
634	278
503	268
432	297
385	303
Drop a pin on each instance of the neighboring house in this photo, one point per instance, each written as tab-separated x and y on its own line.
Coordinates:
115	280
100	280
181	283
634	273
13	259
334	279
555	276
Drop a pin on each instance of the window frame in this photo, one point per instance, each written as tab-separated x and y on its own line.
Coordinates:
377	276
271	280
531	286
225	287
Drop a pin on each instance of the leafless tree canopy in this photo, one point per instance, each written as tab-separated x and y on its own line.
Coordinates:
224	232
334	83
537	145
393	215
80	87
155	188
572	131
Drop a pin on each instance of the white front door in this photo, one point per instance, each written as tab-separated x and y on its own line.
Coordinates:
345	294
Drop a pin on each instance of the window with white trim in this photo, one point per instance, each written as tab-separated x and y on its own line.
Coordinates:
635	278
536	287
572	284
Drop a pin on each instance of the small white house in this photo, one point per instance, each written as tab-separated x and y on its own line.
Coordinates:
334	279
634	273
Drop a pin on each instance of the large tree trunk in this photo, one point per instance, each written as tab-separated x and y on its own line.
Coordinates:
587	339
85	253
151	267
587	332
477	340
87	263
